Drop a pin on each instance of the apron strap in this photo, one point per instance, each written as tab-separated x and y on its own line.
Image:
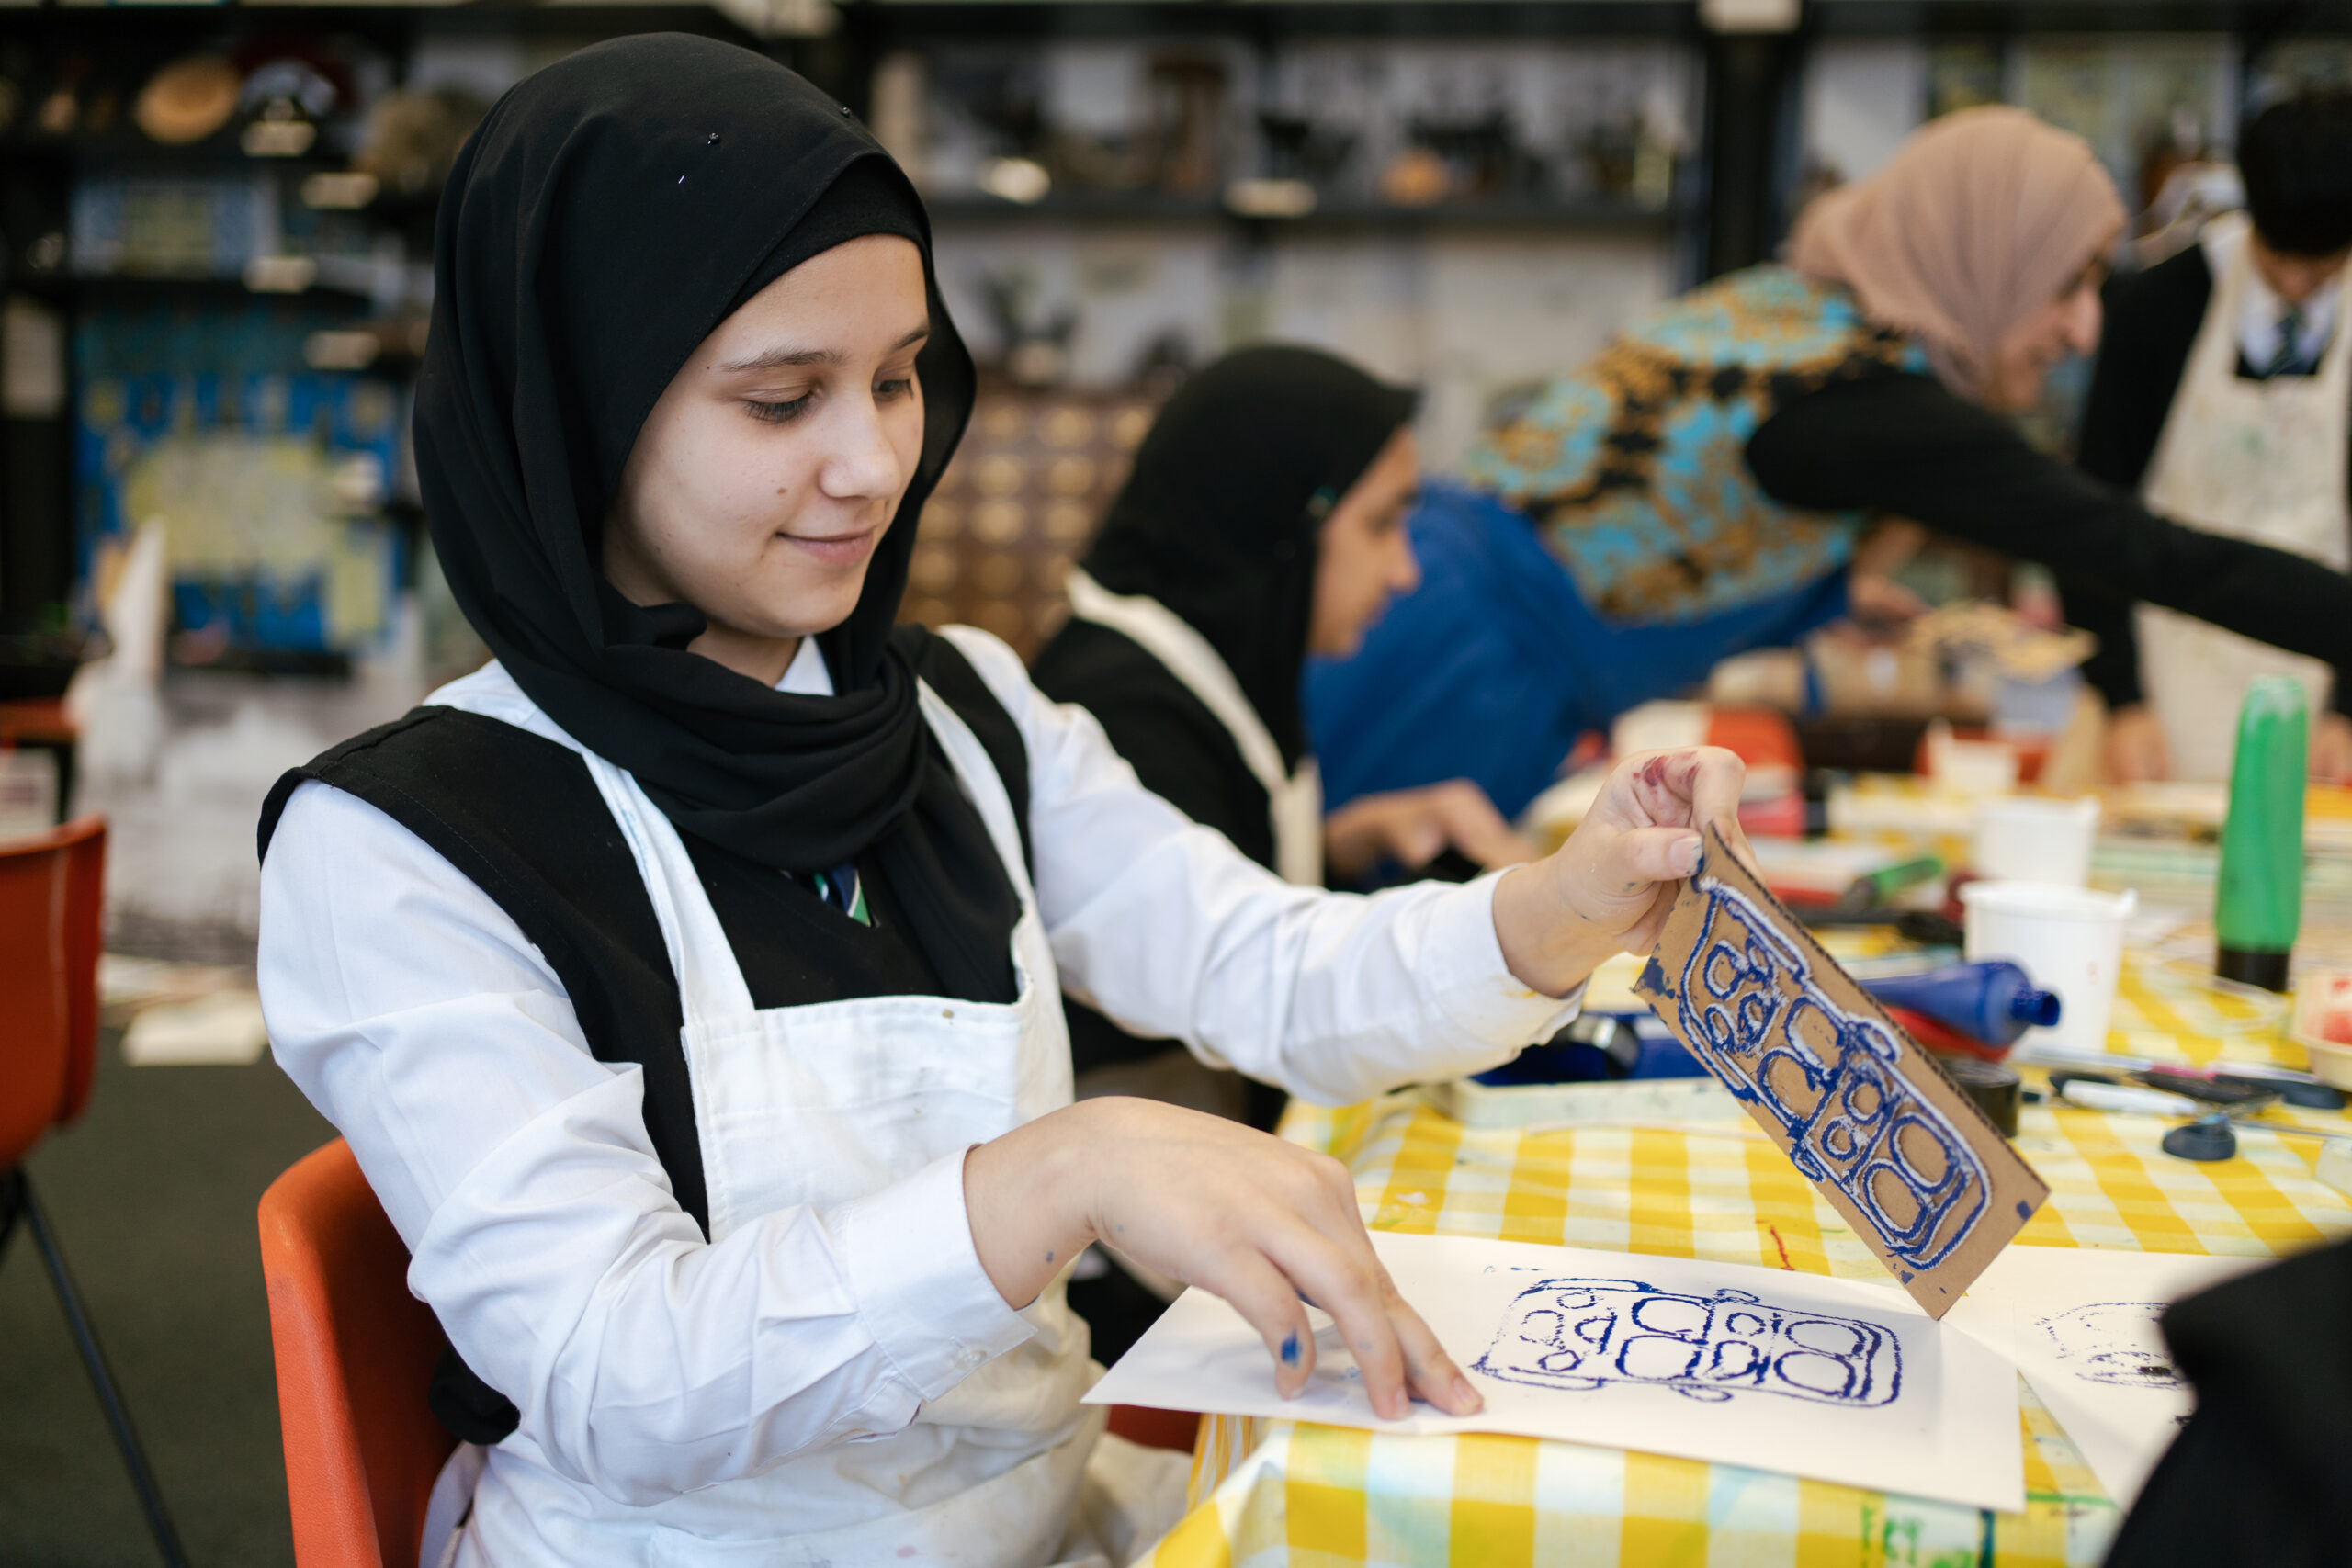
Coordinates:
710	983
1188	655
1293	801
974	767
950	674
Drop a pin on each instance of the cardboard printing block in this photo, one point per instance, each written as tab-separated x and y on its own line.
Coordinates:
1857	1105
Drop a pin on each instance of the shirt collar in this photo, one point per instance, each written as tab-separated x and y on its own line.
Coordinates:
2258	318
806	676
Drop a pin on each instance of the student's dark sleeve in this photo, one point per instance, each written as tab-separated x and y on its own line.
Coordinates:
1903	445
2262	1472
2113	668
2153	319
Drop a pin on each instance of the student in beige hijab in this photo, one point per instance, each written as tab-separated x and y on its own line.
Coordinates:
1705	483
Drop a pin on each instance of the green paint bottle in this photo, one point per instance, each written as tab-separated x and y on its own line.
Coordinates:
2258	907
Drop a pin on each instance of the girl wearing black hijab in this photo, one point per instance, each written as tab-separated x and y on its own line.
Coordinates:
1262	524
687	980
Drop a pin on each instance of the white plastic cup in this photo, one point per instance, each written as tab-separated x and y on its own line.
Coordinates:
2069	939
2024	839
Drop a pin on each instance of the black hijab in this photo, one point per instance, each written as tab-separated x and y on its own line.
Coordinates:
606	216
1220	519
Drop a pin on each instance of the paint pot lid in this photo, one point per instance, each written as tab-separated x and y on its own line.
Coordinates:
2049	899
2038	808
2207	1139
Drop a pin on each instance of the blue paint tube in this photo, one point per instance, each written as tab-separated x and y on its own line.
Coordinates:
1994	1001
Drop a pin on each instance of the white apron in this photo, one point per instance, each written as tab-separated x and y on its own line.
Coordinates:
1295	801
2260	460
823	1103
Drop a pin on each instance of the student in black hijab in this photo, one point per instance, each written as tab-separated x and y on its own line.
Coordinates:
687	980
1262	522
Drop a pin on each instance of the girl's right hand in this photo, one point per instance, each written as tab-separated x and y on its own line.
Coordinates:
1265	1225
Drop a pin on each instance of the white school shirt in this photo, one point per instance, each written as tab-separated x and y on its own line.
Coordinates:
2258	311
418	1019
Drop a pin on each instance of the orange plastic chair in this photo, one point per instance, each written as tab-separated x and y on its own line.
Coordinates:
356	1353
1177	1430
52	896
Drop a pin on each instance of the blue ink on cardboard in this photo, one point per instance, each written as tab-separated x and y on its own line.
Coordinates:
1827	1079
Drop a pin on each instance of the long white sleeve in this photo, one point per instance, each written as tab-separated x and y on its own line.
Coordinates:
417	1018
1170	931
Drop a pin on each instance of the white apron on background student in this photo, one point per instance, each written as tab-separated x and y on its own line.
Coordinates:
817	1105
1294	800
2258	460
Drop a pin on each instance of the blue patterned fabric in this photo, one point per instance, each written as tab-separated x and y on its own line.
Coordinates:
1492	668
1636	467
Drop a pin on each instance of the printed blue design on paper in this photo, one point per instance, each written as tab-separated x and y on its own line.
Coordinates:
1580	1334
1827	1079
2114	1342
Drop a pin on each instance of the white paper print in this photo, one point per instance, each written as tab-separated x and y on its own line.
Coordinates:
1837	1380
2081	1324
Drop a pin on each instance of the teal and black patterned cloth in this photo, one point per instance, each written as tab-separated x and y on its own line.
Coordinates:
1654	550
1634	465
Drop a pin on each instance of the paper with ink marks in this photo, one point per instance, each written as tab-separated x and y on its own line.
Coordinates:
1925	1181
2080	1323
1836	1379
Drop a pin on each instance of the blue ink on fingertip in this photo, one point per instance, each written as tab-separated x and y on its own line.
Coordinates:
1290	1349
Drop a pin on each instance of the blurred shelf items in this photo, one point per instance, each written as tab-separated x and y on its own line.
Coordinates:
1567	131
216	237
1034	474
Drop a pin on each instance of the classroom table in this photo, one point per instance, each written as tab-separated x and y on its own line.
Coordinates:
1273	1492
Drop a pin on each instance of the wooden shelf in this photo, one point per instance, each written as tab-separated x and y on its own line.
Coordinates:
1912	19
1269	19
1109	207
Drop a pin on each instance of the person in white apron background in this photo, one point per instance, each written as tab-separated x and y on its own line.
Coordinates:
1262	522
686	981
2223	393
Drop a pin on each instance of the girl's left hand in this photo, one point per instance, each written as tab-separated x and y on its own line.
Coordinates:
1413	827
1607	889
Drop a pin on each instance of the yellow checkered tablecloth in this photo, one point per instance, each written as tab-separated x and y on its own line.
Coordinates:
1268	1493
